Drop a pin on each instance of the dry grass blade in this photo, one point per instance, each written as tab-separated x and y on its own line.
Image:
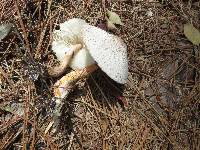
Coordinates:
24	31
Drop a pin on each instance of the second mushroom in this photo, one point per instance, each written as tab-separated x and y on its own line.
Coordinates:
85	48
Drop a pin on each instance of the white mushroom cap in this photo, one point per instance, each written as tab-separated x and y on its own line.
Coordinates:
71	30
109	51
60	48
70	34
81	59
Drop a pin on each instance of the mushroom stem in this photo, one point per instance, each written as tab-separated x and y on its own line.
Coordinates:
60	69
65	84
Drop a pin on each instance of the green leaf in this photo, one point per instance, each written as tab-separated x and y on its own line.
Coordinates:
192	33
114	18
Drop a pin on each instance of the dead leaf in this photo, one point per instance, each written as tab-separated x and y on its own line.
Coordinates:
192	33
104	125
114	18
4	30
110	25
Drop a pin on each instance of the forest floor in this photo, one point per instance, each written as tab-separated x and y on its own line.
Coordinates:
158	107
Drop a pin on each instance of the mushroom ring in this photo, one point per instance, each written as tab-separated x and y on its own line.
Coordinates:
84	48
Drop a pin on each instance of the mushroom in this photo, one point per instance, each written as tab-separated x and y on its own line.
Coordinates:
108	50
67	42
85	48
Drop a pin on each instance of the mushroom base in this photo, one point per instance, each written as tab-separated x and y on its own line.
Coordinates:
66	83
